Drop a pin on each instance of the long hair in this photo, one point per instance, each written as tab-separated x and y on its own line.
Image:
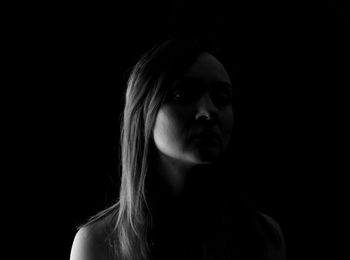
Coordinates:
146	89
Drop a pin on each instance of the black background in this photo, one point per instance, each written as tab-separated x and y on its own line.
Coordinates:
71	61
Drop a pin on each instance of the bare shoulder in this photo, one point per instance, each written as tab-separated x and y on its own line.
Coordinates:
272	222
273	233
90	243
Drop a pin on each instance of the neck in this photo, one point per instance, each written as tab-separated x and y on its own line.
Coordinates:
183	198
173	184
174	174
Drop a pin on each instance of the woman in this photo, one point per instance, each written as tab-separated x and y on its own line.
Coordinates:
178	198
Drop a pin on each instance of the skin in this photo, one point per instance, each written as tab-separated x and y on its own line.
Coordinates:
199	100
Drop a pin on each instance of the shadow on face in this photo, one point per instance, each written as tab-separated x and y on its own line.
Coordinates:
194	123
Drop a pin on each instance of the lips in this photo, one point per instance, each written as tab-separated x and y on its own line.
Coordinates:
207	135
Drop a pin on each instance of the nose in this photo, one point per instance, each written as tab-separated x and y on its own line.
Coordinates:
205	108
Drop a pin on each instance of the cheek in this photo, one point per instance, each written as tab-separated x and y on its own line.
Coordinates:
167	130
227	126
227	122
162	125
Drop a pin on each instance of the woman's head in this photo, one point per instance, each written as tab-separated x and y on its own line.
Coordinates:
178	101
194	123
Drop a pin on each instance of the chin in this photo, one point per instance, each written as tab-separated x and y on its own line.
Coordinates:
206	156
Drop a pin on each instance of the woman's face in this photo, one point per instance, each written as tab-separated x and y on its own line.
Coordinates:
194	123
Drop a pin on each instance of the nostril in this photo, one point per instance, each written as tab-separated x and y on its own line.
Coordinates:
203	116
205	120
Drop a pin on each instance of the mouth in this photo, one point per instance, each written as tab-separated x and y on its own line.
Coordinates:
209	136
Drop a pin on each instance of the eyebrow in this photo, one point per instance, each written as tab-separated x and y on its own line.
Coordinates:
222	84
217	83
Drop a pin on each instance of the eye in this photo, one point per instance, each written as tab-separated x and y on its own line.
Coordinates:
177	95
184	95
185	92
222	97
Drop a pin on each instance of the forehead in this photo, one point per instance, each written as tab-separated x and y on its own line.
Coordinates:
207	68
